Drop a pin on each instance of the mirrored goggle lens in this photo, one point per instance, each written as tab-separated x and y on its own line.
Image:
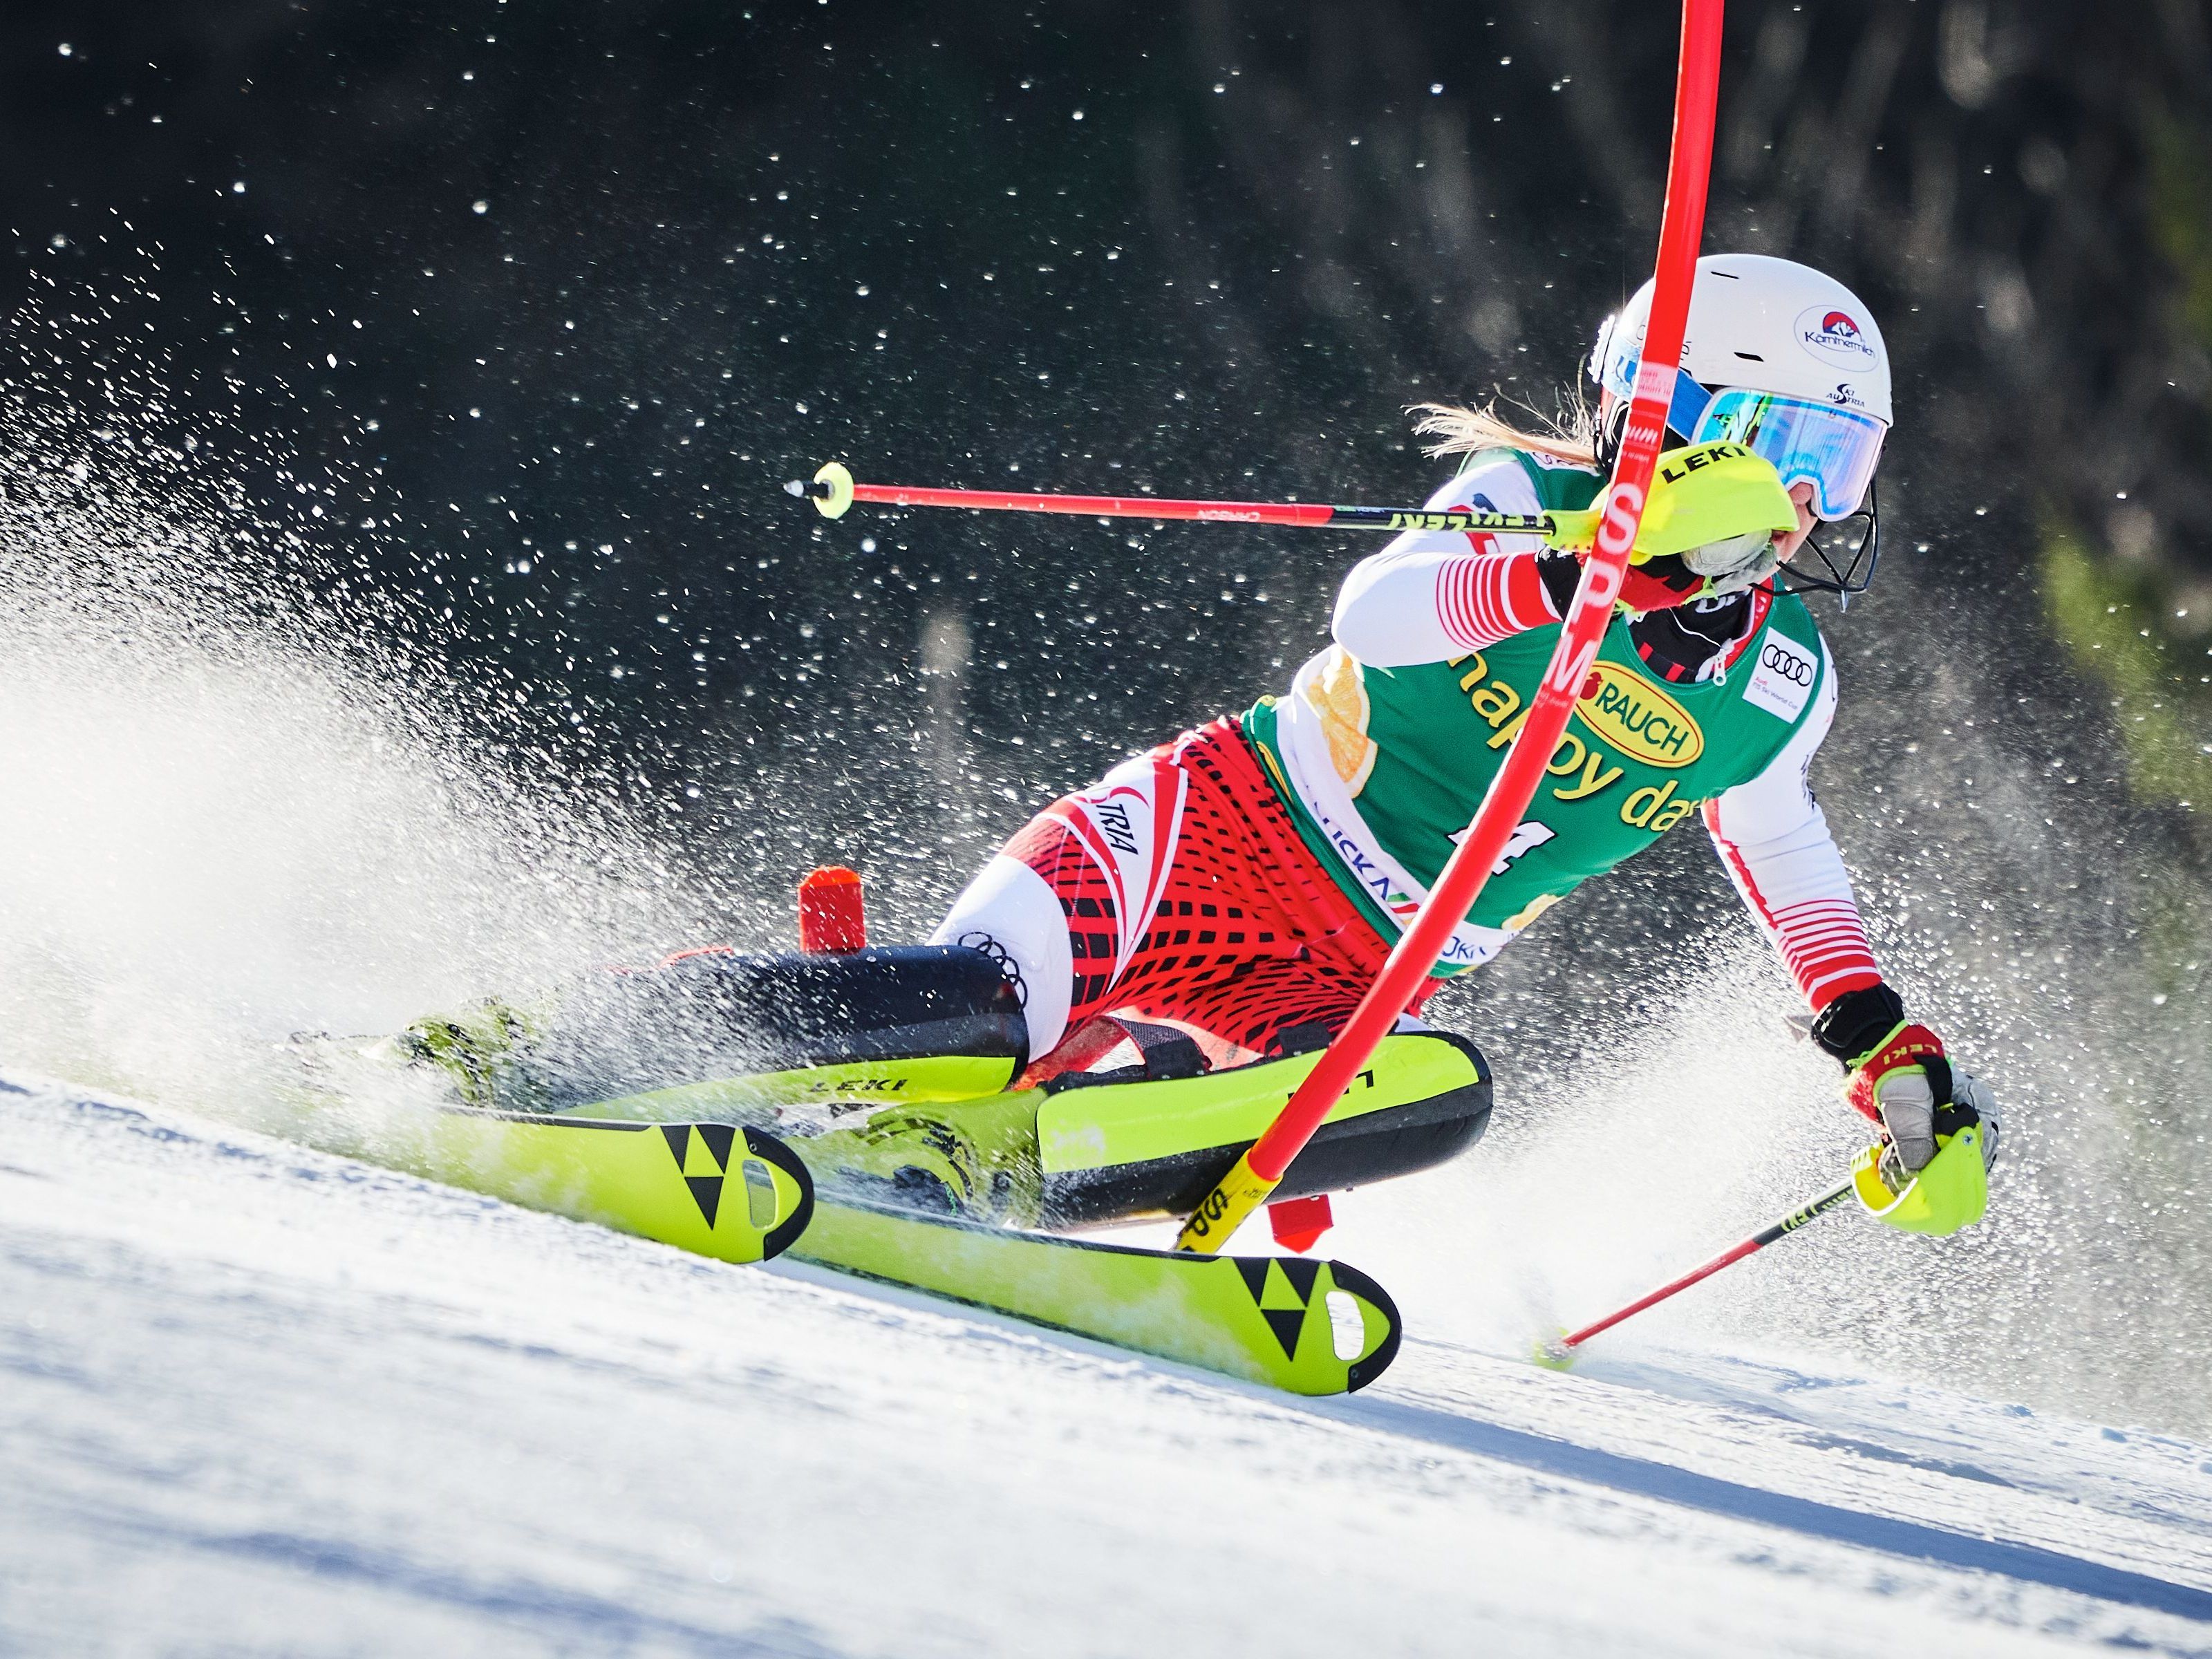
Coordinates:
1835	450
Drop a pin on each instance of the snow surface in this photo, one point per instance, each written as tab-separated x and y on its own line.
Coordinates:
257	1399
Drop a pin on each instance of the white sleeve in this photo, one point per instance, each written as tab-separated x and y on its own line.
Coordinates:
1773	839
1433	595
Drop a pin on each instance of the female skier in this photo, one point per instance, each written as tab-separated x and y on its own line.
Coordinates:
1217	906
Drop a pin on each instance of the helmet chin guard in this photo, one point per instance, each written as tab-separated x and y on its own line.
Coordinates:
1855	572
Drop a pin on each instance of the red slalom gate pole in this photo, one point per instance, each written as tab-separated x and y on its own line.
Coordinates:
1560	1351
1261	1169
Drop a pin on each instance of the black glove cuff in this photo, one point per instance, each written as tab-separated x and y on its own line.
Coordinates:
1562	574
1853	1022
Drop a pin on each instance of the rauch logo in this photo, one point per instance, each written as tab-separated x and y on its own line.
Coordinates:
1638	719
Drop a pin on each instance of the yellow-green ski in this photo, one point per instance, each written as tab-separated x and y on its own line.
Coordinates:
735	1194
1266	1319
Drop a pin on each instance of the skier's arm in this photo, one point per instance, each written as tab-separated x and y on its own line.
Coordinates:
1775	843
1433	595
1773	838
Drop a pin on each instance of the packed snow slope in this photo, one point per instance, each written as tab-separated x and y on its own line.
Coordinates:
262	1400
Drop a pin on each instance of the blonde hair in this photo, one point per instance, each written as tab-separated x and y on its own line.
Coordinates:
1570	435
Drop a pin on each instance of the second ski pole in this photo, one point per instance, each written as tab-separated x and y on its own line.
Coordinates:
833	491
1560	1352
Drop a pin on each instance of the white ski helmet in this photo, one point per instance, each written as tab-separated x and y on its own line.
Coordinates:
1783	358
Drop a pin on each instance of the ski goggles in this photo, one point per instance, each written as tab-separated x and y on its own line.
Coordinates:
1834	449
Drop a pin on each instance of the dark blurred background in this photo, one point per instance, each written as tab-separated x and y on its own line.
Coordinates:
557	294
488	331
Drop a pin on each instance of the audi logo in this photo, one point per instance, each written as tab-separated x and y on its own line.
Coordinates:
1780	660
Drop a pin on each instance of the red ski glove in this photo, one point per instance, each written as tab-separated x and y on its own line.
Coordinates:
1905	1050
1930	1172
1659	584
1899	1076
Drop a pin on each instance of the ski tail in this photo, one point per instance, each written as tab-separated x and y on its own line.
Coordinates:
720	1190
1367	1296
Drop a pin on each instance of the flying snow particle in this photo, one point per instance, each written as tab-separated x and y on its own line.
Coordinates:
67	49
238	187
1436	88
480	207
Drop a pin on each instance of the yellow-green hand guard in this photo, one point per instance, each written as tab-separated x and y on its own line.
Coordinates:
1951	1192
1708	494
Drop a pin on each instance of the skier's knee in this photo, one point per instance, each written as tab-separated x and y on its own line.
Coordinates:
1009	914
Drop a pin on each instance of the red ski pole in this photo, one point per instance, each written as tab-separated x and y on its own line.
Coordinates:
1560	1352
1261	1169
833	491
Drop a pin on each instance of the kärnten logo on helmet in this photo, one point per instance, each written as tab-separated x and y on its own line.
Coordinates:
1835	336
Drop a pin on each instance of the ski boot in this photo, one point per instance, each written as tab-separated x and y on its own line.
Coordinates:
1153	1140
973	1159
473	1048
1150	1138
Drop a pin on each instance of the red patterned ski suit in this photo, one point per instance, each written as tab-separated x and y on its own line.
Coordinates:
1187	899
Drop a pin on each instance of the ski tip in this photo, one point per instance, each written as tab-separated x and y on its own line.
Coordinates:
1554	1355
